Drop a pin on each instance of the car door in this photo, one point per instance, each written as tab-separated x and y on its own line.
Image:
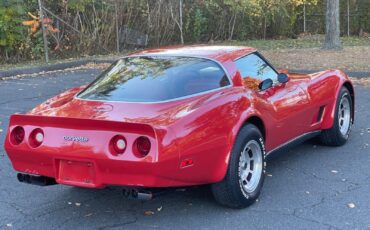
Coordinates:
282	105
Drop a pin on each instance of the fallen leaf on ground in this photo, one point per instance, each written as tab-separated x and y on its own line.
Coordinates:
334	171
148	213
351	205
159	209
83	67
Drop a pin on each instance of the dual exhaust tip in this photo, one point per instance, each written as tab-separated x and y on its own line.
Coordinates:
130	193
143	194
36	180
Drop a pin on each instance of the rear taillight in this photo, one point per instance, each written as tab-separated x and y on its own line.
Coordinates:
118	145
143	146
36	138
17	135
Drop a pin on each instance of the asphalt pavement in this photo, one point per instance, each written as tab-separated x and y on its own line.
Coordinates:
309	187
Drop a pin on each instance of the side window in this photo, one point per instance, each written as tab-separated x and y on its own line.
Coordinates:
254	70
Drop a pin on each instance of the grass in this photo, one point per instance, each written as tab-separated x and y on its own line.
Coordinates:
314	41
306	53
287	53
41	62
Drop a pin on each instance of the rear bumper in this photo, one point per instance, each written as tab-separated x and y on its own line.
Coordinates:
95	172
91	162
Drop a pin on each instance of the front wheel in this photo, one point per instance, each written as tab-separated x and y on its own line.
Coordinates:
245	175
339	133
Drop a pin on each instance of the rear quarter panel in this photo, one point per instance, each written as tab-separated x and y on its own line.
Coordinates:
206	134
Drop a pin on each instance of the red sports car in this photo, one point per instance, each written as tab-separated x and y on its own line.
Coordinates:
179	116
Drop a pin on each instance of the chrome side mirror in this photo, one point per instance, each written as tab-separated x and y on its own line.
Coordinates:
283	78
265	84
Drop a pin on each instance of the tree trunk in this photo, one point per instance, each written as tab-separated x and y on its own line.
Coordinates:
304	17
178	22
264	27
232	27
348	31
332	40
44	33
181	26
117	26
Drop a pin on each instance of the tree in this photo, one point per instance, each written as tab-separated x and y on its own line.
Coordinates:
11	31
179	22
332	40
236	8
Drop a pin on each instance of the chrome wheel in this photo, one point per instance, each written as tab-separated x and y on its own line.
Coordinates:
250	166
344	115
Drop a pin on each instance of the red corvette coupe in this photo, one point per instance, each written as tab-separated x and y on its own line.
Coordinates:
179	116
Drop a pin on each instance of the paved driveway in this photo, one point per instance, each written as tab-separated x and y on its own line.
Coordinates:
309	187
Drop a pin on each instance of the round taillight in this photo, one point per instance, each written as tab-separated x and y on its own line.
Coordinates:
36	138
118	145
143	146
17	135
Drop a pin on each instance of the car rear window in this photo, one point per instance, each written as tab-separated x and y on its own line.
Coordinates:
155	78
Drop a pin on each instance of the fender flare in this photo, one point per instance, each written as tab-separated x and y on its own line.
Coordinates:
328	120
249	114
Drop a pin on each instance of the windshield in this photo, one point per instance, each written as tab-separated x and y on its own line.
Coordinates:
151	79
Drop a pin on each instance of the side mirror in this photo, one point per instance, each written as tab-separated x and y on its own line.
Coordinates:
283	78
265	84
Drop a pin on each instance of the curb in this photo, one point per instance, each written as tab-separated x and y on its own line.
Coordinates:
51	67
72	64
359	74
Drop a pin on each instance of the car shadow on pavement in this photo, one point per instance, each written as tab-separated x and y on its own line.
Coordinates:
108	208
294	182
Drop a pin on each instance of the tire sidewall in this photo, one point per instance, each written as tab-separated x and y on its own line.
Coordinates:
247	133
343	93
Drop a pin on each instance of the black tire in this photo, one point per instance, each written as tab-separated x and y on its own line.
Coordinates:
229	192
333	136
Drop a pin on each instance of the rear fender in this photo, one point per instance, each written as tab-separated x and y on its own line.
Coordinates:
343	81
250	112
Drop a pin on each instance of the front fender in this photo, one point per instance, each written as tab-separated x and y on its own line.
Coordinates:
342	81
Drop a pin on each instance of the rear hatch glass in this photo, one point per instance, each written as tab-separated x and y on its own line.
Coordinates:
155	78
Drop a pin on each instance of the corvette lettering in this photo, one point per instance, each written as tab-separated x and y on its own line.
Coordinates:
76	139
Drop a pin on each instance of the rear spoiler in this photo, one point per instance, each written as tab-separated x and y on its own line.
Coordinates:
80	123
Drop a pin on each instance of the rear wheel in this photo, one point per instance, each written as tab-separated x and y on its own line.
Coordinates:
245	175
339	133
